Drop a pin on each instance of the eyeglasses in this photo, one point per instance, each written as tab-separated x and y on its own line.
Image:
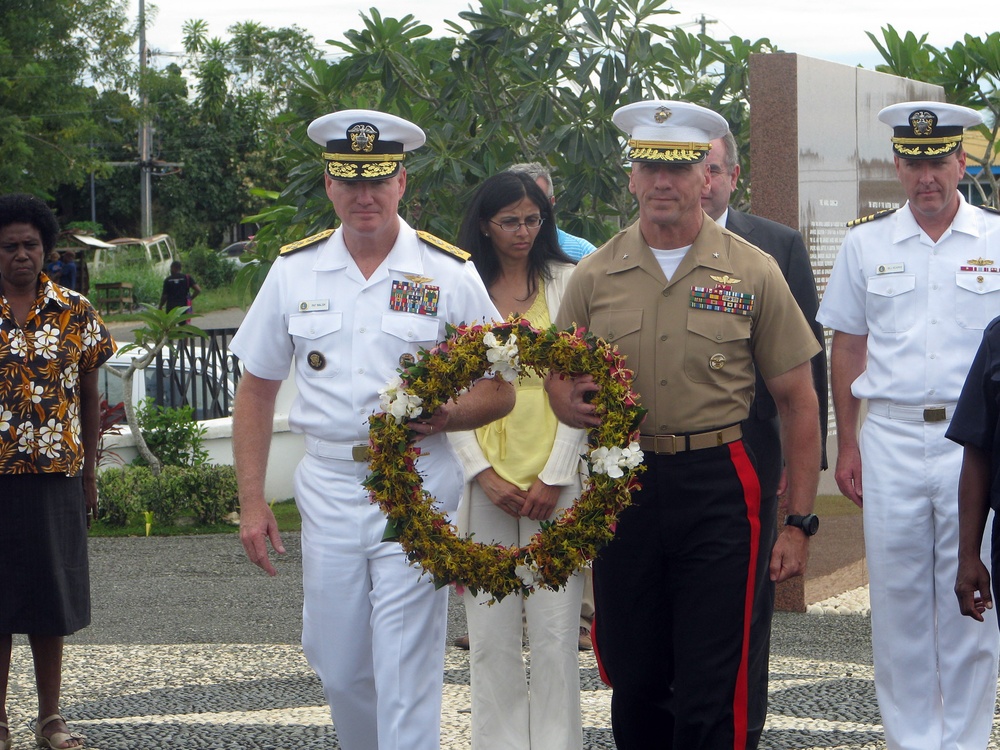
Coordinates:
512	225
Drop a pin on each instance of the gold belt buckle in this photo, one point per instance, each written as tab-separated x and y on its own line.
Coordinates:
359	453
671	451
935	414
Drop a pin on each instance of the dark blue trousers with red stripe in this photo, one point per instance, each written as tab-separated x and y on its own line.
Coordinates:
673	593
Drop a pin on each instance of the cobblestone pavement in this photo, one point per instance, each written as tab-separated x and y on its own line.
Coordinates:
192	647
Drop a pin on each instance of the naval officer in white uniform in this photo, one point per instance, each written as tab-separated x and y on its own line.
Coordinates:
909	296
347	307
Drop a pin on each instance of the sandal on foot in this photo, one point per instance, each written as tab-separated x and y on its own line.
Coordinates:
8	743
58	739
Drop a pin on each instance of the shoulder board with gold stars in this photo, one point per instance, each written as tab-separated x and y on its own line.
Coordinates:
436	242
298	245
871	217
990	209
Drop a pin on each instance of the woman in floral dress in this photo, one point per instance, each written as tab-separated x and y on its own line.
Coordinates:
52	343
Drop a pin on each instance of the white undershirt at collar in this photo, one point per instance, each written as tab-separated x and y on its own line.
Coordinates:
670	259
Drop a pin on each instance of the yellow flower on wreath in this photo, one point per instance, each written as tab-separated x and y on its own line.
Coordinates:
565	543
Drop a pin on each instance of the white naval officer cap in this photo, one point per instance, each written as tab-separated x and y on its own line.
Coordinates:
669	131
927	130
362	144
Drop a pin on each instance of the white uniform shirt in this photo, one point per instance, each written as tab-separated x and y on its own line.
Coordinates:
346	340
923	305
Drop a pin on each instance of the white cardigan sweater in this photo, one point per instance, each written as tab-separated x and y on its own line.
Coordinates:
564	465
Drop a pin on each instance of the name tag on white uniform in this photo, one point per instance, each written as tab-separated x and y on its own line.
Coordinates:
314	305
890	268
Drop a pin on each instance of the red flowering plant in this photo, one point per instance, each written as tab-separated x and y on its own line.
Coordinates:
566	542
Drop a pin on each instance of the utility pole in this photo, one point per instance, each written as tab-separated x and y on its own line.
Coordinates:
145	164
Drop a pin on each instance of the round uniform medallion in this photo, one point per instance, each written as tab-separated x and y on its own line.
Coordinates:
406	359
316	360
717	362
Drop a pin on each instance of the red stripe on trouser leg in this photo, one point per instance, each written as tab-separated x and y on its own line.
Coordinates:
751	496
597	649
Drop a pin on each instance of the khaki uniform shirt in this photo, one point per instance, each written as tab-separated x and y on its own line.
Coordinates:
694	367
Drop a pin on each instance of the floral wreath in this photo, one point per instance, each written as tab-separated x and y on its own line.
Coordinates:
564	543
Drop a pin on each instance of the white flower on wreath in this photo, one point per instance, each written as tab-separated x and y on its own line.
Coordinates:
397	402
529	575
613	461
503	356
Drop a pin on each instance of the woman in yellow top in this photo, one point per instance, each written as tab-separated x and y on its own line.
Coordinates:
521	470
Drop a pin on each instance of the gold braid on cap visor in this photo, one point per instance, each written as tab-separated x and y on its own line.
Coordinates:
923	145
346	166
666	151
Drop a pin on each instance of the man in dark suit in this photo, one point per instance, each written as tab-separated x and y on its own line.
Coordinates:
762	430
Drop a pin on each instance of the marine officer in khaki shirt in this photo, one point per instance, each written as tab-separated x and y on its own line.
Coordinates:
694	308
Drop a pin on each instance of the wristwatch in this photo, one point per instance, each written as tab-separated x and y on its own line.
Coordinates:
809	524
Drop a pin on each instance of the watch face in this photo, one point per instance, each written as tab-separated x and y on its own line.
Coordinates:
809	524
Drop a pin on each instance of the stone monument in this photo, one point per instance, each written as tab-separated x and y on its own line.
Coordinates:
819	158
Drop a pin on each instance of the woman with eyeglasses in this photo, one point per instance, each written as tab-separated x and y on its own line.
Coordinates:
520	471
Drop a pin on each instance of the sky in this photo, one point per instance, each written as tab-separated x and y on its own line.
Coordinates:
828	31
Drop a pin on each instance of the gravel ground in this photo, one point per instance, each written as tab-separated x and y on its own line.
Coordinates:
193	647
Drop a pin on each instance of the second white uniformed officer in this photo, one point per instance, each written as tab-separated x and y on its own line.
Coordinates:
909	296
347	307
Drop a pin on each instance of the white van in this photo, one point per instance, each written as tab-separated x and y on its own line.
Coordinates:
156	252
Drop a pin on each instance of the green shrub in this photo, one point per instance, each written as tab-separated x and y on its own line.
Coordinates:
209	268
122	492
206	492
147	285
172	433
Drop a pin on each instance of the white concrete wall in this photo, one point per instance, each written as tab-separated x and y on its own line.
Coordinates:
287	447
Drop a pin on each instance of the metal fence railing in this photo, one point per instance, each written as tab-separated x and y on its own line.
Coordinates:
201	373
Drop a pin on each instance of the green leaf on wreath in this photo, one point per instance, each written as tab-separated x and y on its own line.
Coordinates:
392	531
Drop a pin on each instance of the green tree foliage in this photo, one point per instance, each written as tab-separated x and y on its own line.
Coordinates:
226	136
53	53
518	82
969	71
213	112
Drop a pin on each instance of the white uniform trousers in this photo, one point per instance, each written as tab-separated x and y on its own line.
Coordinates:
372	628
935	670
506	714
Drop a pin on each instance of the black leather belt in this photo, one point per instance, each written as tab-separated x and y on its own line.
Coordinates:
668	445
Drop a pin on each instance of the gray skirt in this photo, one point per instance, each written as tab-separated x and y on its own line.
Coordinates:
44	572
